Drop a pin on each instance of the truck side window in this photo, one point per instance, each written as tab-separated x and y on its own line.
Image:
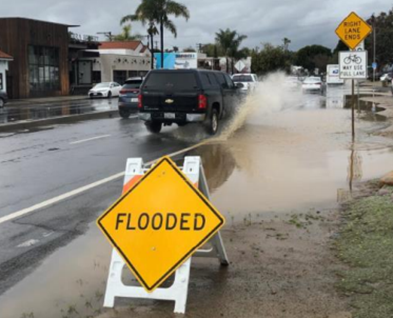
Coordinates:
221	80
213	80
229	81
205	80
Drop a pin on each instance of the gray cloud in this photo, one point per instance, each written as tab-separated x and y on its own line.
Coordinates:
303	21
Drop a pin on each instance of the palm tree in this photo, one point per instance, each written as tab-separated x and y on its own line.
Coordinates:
126	35
230	41
158	12
146	15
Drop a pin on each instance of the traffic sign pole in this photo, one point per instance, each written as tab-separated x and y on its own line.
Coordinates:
352	31
353	110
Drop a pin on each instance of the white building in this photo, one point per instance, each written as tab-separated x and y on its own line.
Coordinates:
4	59
118	61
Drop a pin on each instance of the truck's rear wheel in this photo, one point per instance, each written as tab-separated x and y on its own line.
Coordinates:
212	127
153	126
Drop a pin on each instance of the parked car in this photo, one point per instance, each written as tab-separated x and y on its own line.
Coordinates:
3	98
105	89
187	96
386	77
292	82
128	97
249	81
313	83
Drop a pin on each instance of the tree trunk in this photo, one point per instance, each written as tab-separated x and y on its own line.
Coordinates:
233	66
152	51
162	42
227	70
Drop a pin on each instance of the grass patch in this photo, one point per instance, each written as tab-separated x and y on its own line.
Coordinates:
366	245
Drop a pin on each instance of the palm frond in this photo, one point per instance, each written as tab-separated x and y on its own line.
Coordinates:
168	24
177	9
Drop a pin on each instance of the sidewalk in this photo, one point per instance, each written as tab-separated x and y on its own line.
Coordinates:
44	100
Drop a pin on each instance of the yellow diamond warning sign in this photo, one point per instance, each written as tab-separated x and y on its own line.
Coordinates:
159	223
353	30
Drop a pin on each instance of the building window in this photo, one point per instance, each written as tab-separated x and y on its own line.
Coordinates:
44	68
1	82
119	76
132	73
96	77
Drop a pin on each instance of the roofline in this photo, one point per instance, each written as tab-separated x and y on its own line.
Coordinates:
7	58
22	18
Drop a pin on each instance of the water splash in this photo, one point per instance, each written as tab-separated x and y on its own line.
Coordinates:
271	95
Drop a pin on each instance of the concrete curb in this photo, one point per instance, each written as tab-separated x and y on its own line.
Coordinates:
58	120
44	101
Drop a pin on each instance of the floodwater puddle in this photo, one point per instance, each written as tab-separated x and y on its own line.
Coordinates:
69	283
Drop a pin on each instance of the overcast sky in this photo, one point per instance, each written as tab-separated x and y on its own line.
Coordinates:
304	22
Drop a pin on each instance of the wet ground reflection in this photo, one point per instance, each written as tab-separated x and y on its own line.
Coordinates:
50	110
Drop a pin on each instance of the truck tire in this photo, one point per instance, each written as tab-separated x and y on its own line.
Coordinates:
153	126
213	122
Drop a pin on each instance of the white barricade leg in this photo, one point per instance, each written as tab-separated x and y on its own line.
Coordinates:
114	279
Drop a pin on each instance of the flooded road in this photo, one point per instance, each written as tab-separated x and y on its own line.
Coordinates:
287	152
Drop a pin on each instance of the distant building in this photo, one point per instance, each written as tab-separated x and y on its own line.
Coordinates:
116	61
4	59
40	52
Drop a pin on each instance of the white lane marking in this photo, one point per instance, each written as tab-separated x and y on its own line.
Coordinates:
47	234
28	243
59	198
89	139
80	190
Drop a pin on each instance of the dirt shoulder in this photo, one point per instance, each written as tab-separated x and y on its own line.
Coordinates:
365	244
282	267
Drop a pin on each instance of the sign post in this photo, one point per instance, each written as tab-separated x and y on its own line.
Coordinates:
163	218
353	64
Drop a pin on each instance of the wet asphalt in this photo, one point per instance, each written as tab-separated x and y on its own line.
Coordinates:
49	161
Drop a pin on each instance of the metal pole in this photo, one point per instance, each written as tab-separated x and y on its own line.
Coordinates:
374	57
358	101
353	110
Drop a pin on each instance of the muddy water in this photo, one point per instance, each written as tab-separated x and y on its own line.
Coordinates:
286	152
69	283
294	152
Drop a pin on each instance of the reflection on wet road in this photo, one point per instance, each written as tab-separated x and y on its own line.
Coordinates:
50	110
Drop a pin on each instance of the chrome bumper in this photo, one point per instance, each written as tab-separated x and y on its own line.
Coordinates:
190	118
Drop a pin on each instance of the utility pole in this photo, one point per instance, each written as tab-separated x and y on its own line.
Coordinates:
107	34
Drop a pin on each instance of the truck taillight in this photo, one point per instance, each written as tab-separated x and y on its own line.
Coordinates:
202	102
140	104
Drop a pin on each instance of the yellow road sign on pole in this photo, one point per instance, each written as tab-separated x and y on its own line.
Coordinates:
159	223
353	30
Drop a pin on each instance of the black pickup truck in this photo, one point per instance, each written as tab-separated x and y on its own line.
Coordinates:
187	96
